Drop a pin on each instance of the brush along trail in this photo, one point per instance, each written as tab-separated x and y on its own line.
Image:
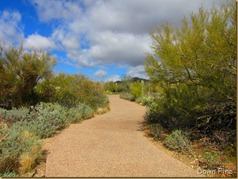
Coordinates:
111	145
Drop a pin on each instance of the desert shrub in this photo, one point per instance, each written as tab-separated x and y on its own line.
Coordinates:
146	100
79	113
46	118
103	110
86	111
197	79
71	90
74	115
178	107
210	158
155	114
136	89
156	129
20	72
19	143
177	141
127	96
150	117
8	175
26	162
13	115
16	141
139	100
111	87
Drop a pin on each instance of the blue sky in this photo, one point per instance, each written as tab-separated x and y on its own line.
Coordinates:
102	39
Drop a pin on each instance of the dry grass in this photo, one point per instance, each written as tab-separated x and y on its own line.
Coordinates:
26	135
103	110
26	162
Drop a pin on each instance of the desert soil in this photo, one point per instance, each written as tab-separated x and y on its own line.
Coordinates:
111	145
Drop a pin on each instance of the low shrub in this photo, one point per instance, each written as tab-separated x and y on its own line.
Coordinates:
145	100
74	115
156	129
71	90
211	159
46	118
8	175
86	111
136	89
16	142
20	141
26	162
13	115
127	96
79	113
178	141
103	110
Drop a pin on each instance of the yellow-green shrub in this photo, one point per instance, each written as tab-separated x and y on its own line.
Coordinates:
15	142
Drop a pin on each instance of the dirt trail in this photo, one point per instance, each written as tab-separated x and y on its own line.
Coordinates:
111	145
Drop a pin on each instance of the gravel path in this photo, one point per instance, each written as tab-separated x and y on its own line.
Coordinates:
111	145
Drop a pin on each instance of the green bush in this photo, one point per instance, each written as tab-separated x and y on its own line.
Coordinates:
74	115
71	90
19	143
197	79
157	130
13	115
155	112
16	141
85	111
178	141
46	118
127	96
20	72
146	100
136	89
8	175
211	158
79	113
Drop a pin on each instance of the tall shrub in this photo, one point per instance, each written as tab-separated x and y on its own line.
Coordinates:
195	64
20	72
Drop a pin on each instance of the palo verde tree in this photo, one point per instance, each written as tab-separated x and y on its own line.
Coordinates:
195	64
20	72
71	90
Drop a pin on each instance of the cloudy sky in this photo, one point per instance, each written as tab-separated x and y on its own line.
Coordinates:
103	39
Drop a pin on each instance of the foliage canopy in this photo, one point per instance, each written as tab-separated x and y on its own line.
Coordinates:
195	64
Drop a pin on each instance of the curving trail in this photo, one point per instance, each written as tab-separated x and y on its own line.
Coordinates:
111	145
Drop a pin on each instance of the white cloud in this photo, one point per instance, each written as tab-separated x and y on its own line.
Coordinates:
114	78
39	42
10	27
100	73
125	48
116	30
138	71
56	9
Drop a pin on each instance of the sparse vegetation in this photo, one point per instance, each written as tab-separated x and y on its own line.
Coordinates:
17	142
156	130
181	95
191	87
178	141
191	99
35	104
127	96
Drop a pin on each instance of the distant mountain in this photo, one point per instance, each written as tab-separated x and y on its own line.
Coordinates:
134	79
